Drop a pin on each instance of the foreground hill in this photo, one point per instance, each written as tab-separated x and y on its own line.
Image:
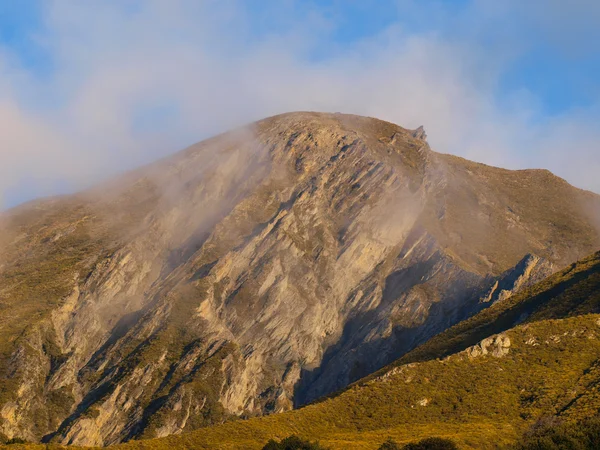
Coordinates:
259	270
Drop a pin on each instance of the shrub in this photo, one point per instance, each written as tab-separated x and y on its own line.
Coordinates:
390	444
552	434
292	443
433	443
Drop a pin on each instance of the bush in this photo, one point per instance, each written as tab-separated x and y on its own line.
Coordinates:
292	443
550	433
390	444
433	443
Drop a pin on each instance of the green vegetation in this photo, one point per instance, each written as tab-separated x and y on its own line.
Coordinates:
297	443
550	433
390	444
292	443
433	443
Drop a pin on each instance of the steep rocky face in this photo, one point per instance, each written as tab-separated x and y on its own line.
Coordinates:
530	270
422	296
257	270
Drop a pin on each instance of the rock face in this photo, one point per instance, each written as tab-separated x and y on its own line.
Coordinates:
530	270
259	270
498	346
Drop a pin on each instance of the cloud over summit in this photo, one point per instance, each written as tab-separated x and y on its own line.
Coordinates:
104	86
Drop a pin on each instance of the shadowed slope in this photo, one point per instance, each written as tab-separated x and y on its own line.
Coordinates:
571	292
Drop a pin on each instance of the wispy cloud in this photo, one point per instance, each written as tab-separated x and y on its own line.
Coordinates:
131	81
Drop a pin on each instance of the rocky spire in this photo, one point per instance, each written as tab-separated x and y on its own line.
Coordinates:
419	133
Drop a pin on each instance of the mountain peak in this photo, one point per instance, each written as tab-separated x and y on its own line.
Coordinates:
255	271
419	133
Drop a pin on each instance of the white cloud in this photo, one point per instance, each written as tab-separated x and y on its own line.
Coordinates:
134	81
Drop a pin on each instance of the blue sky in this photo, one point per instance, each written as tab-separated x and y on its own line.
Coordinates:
90	89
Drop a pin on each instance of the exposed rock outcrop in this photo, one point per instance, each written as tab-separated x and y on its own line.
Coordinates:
420	134
496	346
530	270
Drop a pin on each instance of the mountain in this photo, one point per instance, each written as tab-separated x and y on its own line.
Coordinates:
260	270
543	359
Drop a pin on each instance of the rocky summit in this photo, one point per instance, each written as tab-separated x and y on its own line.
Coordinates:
260	270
